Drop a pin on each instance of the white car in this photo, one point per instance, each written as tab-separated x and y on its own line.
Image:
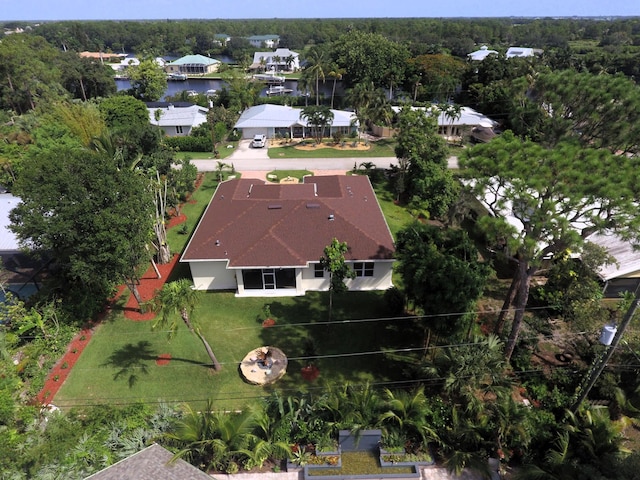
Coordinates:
259	141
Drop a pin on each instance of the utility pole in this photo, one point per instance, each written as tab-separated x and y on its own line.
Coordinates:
601	361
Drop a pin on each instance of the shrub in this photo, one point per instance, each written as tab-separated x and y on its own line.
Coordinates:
394	299
189	143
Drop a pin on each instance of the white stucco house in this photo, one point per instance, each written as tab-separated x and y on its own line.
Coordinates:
263	239
271	120
176	119
280	60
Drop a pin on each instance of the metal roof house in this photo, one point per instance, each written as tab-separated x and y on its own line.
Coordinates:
522	52
267	239
176	119
193	65
624	274
272	120
282	59
481	54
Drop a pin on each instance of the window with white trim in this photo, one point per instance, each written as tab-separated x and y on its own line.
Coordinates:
363	269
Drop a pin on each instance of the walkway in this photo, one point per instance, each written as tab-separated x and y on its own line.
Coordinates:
427	473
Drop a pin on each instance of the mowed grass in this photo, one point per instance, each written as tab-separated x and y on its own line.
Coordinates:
119	364
380	148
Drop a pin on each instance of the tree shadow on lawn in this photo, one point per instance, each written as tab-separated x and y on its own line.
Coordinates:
132	360
301	330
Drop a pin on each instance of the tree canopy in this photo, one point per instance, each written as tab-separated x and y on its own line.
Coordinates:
89	217
557	196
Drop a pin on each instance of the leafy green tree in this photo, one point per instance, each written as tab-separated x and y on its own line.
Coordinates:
179	299
148	80
436	77
334	262
440	269
318	117
86	78
90	218
28	73
422	157
370	57
548	191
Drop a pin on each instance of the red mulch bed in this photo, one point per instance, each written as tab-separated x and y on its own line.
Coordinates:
163	359
310	373
149	283
268	322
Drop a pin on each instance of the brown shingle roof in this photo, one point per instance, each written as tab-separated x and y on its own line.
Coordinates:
253	224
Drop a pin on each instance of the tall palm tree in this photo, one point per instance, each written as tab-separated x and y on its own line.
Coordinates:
317	66
407	411
179	299
336	73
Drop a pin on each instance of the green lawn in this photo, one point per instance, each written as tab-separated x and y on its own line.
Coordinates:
118	365
223	152
381	148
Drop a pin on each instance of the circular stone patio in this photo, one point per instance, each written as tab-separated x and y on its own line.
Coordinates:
258	372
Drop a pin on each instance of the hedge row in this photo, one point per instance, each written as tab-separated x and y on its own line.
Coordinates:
189	144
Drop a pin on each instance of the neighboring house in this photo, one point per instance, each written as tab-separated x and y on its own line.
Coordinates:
177	118
453	127
272	120
481	54
221	39
8	240
152	463
523	52
269	41
193	65
282	59
624	274
267	239
104	57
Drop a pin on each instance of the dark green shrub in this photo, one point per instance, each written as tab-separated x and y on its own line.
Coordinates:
190	143
394	299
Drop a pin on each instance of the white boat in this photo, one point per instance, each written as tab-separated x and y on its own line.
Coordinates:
177	76
269	78
211	93
192	93
278	90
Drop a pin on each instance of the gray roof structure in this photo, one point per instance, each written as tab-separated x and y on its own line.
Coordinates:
627	257
468	116
278	116
481	54
152	463
177	115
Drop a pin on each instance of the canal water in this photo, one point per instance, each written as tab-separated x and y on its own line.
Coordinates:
202	85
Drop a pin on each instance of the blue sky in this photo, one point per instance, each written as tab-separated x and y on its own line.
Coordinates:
203	9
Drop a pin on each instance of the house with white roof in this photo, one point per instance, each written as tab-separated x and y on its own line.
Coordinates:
193	65
522	52
272	120
623	275
481	54
269	41
176	119
282	59
453	125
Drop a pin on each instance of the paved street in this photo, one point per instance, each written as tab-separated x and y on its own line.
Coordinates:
247	159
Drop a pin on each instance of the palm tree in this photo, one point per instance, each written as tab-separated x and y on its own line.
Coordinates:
318	117
317	65
407	410
336	73
179	298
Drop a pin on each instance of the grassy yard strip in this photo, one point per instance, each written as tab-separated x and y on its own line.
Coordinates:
280	174
119	364
381	148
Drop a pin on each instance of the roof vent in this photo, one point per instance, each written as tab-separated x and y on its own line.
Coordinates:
274	207
217	243
331	217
